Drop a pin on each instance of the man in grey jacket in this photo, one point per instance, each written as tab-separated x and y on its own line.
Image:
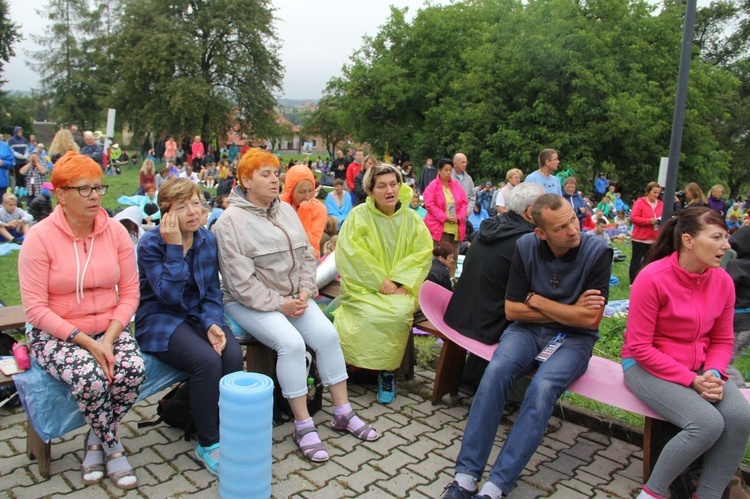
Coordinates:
461	175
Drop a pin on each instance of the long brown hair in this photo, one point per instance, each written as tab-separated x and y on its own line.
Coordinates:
691	221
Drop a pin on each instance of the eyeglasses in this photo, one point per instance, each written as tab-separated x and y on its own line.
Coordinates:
85	190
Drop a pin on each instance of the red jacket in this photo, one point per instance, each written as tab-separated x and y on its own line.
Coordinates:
351	171
641	217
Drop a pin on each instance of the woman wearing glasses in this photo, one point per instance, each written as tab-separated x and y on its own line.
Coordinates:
79	287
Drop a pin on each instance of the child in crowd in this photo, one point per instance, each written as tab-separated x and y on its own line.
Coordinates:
41	206
211	174
733	223
14	222
599	231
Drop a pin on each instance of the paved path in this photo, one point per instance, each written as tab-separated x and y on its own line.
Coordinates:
413	458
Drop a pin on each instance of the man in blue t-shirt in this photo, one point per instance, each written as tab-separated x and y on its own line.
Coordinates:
557	288
545	175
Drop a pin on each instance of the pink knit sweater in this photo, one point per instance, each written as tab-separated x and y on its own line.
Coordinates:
678	321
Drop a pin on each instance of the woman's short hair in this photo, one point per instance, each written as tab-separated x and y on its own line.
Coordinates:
73	167
651	185
253	160
443	162
511	172
691	221
714	188
338	181
442	249
570	180
148	186
175	190
368	182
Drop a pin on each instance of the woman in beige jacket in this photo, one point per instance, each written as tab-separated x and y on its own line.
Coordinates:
268	273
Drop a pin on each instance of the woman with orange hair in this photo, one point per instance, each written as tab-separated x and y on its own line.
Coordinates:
299	191
268	272
79	288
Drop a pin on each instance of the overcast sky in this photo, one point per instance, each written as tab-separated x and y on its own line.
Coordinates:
317	36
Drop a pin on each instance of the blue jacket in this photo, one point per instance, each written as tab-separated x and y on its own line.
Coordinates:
94	152
600	185
577	202
6	156
164	272
19	146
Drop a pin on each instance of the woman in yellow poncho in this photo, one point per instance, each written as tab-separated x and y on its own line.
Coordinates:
383	255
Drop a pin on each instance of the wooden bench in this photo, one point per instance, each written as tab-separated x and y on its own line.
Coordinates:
603	380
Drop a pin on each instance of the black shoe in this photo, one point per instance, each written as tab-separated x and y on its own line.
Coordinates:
455	491
485	496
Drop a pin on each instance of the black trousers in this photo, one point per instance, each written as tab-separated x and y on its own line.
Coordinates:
640	250
190	351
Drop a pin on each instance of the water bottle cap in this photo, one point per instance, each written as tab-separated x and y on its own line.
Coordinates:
310	381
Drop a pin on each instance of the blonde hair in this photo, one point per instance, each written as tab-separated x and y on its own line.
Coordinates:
512	172
62	143
9	196
174	190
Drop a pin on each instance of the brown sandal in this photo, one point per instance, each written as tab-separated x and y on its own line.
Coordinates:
116	476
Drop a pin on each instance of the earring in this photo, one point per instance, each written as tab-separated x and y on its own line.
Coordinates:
63	209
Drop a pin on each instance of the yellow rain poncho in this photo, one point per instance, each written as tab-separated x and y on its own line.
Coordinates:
372	247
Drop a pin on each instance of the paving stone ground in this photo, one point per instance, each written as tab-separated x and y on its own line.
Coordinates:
413	458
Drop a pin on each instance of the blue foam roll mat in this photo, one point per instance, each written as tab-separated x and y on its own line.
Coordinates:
245	428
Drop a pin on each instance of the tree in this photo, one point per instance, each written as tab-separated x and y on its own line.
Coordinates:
191	66
329	121
69	63
9	34
501	79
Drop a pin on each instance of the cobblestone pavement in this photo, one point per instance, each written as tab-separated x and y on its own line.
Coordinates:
413	458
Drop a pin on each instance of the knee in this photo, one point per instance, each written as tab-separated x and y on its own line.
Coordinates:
292	347
709	428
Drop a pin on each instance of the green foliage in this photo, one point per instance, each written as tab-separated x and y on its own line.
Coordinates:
328	121
9	33
70	62
502	79
196	66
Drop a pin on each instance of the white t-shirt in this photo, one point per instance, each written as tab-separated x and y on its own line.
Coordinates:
193	177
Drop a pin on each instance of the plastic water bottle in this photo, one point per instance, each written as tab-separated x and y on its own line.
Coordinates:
310	389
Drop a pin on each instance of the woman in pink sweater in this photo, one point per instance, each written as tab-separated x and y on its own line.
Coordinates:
678	344
447	208
79	288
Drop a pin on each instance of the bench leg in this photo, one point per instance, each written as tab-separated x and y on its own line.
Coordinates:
449	369
37	449
652	444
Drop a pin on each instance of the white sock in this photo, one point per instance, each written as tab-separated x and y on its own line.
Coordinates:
491	490
465	481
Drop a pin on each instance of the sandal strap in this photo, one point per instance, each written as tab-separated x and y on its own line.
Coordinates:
342	422
96	447
309	451
298	434
113	456
363	432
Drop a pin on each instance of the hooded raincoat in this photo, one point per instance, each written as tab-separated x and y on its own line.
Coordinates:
313	214
372	247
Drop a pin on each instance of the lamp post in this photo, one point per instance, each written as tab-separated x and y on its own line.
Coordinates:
678	120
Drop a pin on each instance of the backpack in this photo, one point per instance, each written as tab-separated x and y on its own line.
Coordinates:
282	411
174	409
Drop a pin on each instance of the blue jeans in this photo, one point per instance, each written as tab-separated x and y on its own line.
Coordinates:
513	358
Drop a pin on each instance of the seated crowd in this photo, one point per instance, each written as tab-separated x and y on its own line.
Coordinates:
530	280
